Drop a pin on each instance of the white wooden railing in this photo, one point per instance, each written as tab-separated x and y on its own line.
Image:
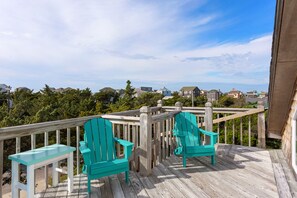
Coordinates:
149	128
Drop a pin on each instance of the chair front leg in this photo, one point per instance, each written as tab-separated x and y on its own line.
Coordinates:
184	160
213	160
15	179
127	176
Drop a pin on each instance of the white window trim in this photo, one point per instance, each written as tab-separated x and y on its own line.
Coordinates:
294	131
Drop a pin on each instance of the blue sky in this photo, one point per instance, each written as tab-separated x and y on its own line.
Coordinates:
211	44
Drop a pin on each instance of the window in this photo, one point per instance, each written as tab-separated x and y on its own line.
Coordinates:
294	134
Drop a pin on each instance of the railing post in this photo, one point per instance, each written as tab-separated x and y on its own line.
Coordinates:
145	141
178	106
157	135
208	120
160	103
261	126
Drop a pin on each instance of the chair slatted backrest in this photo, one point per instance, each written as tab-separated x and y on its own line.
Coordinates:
186	124
99	138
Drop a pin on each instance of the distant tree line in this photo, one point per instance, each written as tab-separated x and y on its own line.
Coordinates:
48	105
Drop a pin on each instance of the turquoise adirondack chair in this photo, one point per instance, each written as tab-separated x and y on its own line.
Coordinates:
187	136
99	153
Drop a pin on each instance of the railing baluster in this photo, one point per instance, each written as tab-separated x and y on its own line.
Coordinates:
158	133
163	140
218	129
129	132
225	130
134	147
155	145
46	166
118	136
125	132
58	136
233	132
249	131
33	141
170	136
77	150
241	131
136	158
17	144
68	136
167	137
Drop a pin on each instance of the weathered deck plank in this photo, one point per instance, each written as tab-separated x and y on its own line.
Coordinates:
240	171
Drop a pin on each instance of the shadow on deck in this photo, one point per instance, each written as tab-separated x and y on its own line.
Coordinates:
240	171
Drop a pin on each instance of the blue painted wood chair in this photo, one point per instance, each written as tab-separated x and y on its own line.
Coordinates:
188	140
99	153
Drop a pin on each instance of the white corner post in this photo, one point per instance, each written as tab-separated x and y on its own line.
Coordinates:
70	171
145	141
14	179
208	120
261	126
294	131
55	174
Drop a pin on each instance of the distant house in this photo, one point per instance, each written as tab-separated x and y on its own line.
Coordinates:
4	88
61	90
263	94
213	95
203	92
147	89
164	91
141	90
189	92
234	93
282	115
105	89
254	97
256	100
121	92
167	97
22	89
251	94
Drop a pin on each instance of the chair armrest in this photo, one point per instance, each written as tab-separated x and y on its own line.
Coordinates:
208	133
213	136
127	146
86	152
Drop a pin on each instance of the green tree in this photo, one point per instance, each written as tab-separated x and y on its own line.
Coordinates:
225	101
147	99
127	102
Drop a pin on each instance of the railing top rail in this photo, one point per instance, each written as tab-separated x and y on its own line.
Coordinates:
239	115
164	116
23	130
199	110
154	109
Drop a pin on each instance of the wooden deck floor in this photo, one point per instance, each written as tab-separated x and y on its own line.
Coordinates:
239	172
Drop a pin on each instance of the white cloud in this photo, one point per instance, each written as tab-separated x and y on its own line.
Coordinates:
96	41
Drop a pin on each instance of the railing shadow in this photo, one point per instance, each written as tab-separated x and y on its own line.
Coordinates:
229	158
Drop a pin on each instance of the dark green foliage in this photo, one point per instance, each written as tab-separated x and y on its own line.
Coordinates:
226	101
127	102
273	143
187	102
148	99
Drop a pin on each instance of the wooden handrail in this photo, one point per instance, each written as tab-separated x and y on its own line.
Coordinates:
164	116
238	115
